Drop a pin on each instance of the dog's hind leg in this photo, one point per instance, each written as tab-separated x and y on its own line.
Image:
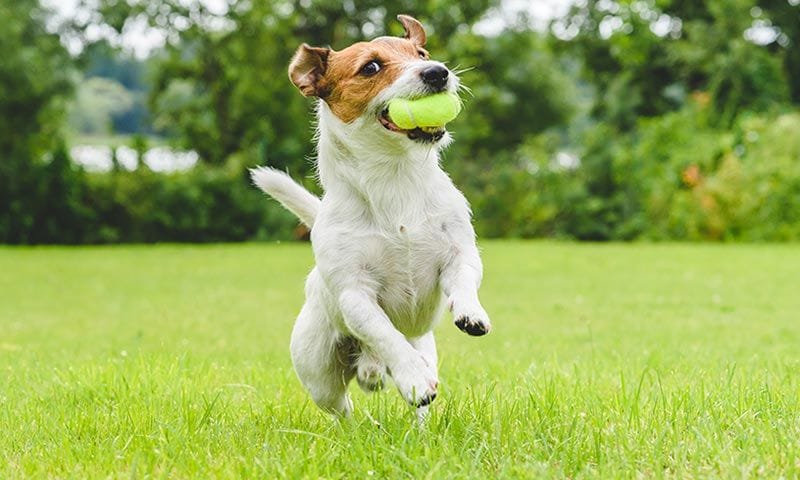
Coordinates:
370	371
322	359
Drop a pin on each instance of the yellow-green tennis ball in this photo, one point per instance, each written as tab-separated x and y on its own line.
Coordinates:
426	112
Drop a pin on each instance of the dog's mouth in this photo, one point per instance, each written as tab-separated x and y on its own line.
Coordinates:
422	135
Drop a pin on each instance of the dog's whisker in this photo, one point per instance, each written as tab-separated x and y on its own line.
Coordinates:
466	89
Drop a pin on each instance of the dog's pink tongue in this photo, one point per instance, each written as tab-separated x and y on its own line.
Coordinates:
390	124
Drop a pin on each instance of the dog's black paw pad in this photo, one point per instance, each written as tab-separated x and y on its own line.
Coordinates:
426	400
466	325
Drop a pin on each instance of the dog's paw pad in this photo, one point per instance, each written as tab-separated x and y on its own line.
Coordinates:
476	328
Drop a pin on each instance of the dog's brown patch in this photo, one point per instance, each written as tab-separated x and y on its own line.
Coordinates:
337	77
350	91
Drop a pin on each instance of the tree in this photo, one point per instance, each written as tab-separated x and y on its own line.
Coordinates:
101	60
222	88
713	55
784	15
97	101
34	82
34	76
621	57
646	57
517	89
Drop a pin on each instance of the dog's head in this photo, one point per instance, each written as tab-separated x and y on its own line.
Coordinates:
357	83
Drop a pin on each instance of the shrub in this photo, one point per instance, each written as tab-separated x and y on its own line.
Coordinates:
700	183
66	205
676	177
204	204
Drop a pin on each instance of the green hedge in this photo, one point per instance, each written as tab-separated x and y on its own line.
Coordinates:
675	177
201	205
67	205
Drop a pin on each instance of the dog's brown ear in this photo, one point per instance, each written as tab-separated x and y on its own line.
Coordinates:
307	69
414	30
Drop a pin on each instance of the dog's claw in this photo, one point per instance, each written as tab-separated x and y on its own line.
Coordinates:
470	327
416	381
426	400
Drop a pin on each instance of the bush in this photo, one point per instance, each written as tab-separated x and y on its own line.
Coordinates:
44	201
204	204
770	150
528	194
676	177
699	183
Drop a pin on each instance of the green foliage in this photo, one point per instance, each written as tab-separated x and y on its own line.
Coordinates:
97	101
771	154
678	177
510	100
51	211
34	76
205	204
738	74
527	194
224	90
785	16
34	81
702	47
653	104
698	182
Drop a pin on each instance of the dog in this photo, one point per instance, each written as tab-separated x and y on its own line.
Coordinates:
392	236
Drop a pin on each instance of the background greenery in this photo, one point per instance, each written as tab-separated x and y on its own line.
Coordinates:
630	119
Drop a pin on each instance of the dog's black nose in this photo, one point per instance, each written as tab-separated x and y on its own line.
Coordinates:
435	76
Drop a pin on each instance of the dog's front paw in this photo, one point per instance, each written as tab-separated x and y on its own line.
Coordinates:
470	319
416	381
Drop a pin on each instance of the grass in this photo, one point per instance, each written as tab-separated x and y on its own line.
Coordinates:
606	361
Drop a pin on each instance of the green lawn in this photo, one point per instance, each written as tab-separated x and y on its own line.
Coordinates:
605	361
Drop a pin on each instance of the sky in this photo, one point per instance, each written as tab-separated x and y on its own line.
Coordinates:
141	40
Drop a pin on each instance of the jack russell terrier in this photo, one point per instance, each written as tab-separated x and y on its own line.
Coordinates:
392	236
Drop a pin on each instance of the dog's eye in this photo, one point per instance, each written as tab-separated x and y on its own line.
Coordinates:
422	54
371	68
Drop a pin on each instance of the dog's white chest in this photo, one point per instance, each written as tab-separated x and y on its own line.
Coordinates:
409	264
392	238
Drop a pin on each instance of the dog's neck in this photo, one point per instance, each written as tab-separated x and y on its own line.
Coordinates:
385	172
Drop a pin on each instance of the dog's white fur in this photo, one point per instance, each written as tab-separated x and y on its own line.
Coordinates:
393	243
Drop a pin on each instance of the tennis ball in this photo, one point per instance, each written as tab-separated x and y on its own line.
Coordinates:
426	112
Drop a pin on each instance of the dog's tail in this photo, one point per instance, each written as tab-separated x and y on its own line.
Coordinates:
292	196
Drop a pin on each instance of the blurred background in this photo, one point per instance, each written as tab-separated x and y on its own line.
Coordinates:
135	121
